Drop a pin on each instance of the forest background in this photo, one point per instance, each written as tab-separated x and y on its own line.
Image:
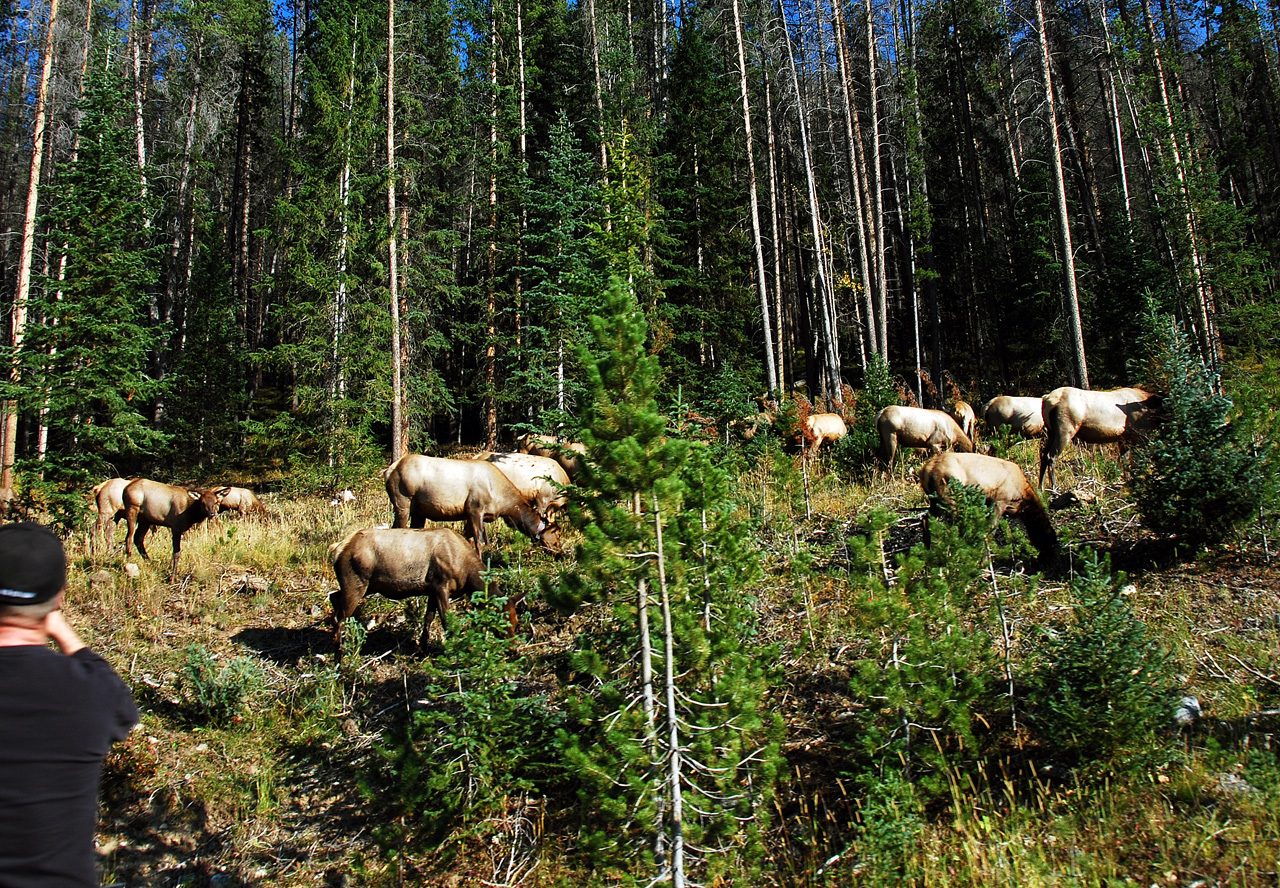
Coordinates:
304	235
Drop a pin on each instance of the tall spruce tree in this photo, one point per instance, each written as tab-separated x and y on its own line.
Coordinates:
668	732
85	362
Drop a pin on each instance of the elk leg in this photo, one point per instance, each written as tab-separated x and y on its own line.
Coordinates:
177	548
138	536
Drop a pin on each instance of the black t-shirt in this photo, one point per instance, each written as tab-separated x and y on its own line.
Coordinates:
59	716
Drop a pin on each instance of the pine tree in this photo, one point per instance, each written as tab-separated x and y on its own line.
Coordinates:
668	731
85	364
1200	477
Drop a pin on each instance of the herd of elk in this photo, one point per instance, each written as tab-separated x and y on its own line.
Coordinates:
526	489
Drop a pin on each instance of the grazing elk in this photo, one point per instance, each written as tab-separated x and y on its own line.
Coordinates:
1006	489
931	430
962	413
399	564
541	479
568	453
820	427
1022	415
470	490
242	501
150	504
1120	416
107	499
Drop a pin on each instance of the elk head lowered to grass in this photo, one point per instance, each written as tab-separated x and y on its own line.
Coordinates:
150	504
470	490
1020	414
931	430
1005	486
568	453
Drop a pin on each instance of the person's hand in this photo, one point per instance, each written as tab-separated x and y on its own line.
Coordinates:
57	627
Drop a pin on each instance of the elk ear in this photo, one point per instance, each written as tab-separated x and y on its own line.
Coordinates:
194	494
223	491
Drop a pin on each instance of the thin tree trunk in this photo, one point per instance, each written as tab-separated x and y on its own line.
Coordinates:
23	291
139	124
853	141
674	764
398	431
1064	218
594	40
831	360
1117	132
338	381
771	374
491	298
781	353
877	203
1210	347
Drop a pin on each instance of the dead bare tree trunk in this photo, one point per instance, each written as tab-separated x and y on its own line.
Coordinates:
1064	217
399	431
830	354
877	202
23	290
771	374
853	140
491	297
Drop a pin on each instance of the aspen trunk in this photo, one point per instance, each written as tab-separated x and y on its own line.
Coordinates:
877	202
831	360
853	140
398	425
771	375
781	353
1064	218
338	380
491	298
23	290
674	763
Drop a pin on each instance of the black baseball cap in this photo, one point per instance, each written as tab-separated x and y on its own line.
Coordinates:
33	567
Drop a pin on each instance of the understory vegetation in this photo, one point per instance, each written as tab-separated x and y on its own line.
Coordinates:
934	716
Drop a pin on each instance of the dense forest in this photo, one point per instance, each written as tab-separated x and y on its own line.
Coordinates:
309	234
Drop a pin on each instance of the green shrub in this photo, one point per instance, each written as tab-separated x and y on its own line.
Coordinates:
215	694
1098	685
475	740
929	668
1200	477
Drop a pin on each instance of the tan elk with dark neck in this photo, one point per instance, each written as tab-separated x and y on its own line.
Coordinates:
150	504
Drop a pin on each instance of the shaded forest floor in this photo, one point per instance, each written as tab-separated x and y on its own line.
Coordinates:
272	796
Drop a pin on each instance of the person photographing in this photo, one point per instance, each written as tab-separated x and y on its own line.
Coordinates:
60	711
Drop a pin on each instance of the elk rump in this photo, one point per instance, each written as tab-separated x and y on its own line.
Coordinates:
108	500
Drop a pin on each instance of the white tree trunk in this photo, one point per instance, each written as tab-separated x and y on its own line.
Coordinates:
1064	217
771	375
398	436
23	291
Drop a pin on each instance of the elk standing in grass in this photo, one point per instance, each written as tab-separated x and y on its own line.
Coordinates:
931	430
1120	416
1018	413
470	490
150	504
399	564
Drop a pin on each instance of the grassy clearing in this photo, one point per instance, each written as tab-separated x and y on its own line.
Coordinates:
269	792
